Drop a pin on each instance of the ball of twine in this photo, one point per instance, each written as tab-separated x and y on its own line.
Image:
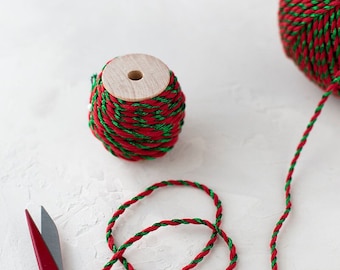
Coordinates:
310	36
136	128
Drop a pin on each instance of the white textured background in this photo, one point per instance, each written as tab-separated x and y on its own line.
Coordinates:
247	106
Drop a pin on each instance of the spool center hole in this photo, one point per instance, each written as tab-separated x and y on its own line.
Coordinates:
135	75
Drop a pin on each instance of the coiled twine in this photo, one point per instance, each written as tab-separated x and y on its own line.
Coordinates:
135	130
214	227
310	36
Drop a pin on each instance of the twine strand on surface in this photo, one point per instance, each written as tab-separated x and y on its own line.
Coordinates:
289	178
215	227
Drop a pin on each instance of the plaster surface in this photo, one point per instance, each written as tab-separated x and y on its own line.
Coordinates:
247	106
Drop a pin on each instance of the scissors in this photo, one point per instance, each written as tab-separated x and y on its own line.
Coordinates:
46	244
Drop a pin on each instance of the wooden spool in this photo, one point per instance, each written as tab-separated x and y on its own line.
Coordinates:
135	77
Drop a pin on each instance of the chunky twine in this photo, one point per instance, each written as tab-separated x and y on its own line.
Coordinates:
310	35
137	130
215	227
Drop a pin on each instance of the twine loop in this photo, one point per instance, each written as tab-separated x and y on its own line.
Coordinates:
214	227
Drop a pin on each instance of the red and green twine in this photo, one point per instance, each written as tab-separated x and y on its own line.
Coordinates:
214	227
310	32
137	130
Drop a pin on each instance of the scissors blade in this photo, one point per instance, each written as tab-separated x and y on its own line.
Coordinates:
44	257
50	235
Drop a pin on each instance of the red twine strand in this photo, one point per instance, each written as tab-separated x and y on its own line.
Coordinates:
214	227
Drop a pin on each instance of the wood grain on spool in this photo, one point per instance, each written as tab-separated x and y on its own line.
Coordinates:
135	77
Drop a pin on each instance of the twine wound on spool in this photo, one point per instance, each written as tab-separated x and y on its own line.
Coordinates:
136	107
310	36
215	227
